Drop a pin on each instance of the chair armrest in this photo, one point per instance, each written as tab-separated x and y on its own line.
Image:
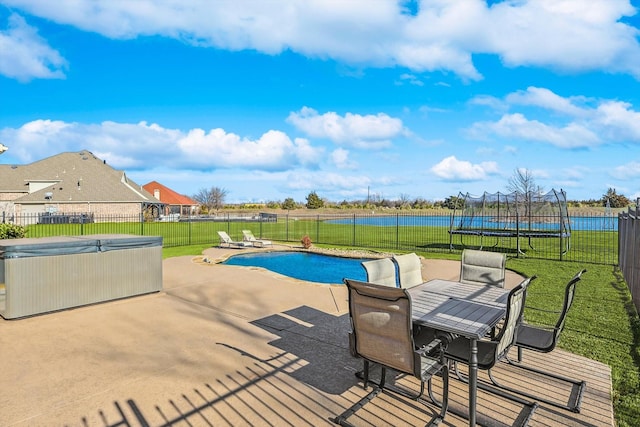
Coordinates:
430	348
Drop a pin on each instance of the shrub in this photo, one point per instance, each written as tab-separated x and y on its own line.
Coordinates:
12	231
306	242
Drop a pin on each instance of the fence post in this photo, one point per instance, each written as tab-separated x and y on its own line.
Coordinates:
517	234
353	240
318	229
397	231
286	229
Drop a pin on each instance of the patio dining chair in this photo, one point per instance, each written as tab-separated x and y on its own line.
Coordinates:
543	339
409	270
381	272
490	351
483	268
382	332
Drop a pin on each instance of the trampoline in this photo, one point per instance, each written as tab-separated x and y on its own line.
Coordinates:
493	216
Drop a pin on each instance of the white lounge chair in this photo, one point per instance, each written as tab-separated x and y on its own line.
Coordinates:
259	243
226	240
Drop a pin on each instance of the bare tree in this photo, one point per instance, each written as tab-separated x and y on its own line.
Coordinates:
523	184
212	199
404	200
525	187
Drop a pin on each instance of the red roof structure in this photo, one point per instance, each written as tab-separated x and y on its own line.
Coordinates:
176	203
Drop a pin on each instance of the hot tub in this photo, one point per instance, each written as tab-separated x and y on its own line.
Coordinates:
40	275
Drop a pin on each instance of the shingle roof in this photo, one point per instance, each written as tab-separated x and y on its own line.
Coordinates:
169	196
74	177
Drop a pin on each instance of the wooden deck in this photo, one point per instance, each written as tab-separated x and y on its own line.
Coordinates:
312	380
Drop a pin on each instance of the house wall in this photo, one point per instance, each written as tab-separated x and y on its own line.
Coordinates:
100	209
10	196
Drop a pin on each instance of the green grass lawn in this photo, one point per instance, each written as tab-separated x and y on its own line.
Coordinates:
602	325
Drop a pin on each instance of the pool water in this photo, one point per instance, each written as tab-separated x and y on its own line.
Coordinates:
304	266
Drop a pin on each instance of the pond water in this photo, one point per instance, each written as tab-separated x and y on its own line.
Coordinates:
304	266
589	223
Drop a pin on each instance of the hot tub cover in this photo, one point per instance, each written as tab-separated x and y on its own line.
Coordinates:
46	246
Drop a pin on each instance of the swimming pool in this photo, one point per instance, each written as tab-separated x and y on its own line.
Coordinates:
311	267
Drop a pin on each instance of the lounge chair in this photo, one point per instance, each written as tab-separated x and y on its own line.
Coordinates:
409	270
259	243
382	333
543	339
226	240
381	272
483	268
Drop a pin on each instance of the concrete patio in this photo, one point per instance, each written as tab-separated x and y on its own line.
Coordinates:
236	346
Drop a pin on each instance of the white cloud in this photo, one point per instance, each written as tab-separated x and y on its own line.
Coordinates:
24	55
452	169
370	131
544	98
539	173
576	173
274	150
628	171
411	79
517	126
571	35
589	122
138	146
340	157
619	121
489	101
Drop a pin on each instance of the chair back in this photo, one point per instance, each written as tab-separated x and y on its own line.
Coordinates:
483	268
569	293
409	270
224	237
381	272
515	309
248	236
382	328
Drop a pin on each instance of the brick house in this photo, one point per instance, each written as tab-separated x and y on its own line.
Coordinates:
174	203
69	184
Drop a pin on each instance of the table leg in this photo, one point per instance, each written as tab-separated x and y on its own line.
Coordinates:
473	380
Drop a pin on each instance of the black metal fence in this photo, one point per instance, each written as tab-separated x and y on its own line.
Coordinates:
593	238
628	256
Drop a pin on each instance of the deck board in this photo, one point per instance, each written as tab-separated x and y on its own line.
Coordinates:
268	393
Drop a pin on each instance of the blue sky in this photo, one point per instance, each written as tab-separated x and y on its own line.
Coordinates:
275	99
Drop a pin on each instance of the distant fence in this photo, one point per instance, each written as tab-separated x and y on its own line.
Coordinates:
593	238
629	254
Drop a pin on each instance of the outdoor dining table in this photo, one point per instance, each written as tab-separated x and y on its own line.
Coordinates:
463	309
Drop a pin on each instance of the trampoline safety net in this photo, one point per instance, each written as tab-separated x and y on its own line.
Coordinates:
530	215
